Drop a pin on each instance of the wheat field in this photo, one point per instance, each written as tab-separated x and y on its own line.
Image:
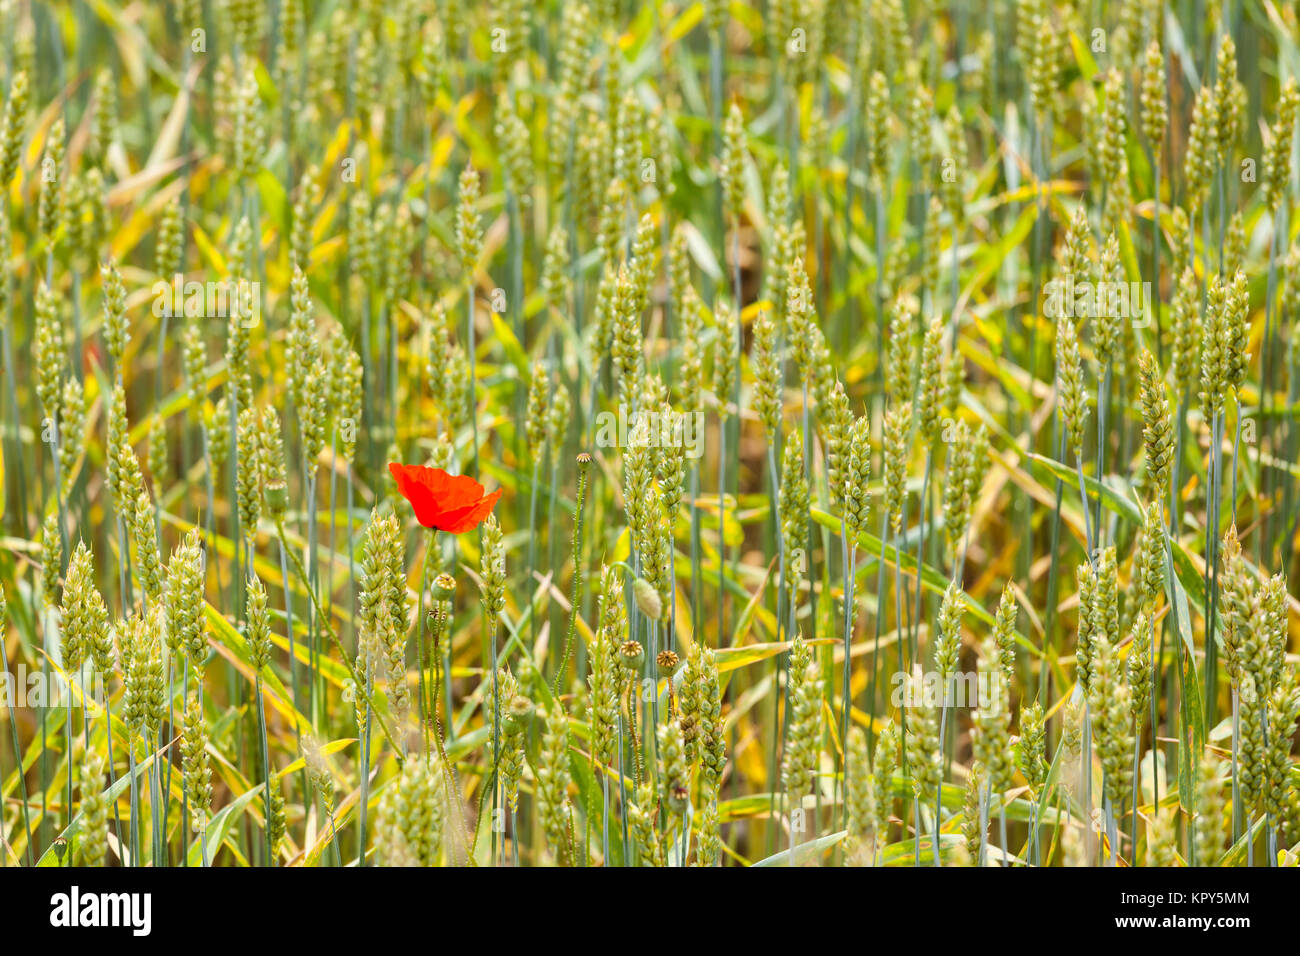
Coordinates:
786	433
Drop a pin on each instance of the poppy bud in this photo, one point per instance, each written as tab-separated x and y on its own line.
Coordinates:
647	599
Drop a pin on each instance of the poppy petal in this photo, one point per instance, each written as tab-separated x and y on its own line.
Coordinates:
418	493
469	518
453	503
458	491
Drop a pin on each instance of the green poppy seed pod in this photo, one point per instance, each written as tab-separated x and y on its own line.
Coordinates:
631	654
666	663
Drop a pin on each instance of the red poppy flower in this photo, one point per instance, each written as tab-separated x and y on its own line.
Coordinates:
454	503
